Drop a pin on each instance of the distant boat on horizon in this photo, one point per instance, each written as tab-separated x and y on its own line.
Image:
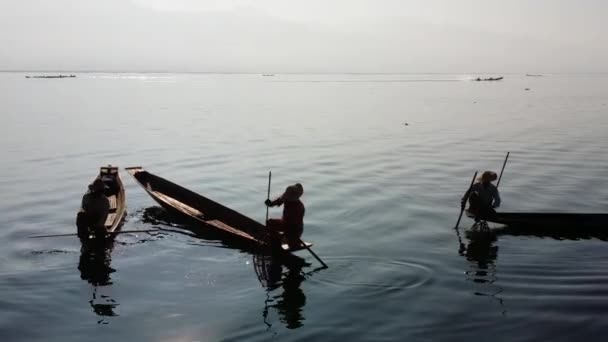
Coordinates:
52	76
533	75
488	79
267	75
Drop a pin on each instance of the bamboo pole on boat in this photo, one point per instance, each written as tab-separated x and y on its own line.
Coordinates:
465	200
503	168
268	195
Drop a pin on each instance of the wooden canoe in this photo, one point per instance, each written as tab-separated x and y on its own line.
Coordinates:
115	193
206	214
557	220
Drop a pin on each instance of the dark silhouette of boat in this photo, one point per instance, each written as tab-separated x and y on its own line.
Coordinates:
478	79
52	76
204	214
553	220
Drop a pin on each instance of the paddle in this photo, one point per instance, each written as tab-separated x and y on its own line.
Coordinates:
465	199
503	168
301	242
113	233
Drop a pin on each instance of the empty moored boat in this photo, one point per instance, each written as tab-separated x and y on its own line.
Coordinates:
115	193
206	214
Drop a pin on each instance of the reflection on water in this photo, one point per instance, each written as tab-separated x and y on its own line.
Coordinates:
481	252
94	267
557	233
290	302
282	273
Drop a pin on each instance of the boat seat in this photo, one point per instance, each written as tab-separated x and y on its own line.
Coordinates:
112	200
110	219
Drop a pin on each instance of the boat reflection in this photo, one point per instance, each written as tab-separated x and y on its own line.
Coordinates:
95	268
284	273
557	233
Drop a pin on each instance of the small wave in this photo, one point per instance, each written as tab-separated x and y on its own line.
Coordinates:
375	276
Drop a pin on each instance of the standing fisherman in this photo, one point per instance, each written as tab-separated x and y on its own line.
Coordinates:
292	222
483	196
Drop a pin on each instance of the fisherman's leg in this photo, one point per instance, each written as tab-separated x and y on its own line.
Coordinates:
294	237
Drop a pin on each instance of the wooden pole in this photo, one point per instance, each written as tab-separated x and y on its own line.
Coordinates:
465	199
503	168
314	254
268	196
112	233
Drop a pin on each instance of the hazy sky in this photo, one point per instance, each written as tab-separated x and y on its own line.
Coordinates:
460	36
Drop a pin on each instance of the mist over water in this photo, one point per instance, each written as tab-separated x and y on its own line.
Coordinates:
384	160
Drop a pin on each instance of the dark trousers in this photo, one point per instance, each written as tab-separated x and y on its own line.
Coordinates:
291	233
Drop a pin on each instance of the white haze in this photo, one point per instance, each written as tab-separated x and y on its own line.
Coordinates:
339	36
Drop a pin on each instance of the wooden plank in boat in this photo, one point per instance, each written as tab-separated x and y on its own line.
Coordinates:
112	200
223	226
110	220
178	205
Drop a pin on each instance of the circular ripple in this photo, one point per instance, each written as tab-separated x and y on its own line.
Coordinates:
372	276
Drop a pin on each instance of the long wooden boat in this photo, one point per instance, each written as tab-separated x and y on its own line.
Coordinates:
115	193
557	220
206	214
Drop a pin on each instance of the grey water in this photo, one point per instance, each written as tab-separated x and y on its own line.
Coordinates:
384	160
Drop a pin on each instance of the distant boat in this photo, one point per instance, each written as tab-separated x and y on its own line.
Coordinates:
488	79
52	76
532	75
267	75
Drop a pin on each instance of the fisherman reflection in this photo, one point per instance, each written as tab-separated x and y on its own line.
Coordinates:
94	267
290	303
482	252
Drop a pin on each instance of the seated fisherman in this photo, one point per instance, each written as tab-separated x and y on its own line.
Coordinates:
95	210
292	222
483	196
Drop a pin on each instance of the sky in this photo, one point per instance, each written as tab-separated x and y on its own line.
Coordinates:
313	36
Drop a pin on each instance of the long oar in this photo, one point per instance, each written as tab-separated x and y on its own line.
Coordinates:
503	168
112	233
301	242
465	199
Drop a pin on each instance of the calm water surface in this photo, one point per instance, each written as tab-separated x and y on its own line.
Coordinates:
382	198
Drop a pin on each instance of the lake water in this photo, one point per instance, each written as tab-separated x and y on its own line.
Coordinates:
382	198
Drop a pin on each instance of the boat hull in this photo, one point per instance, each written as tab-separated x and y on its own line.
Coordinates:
557	220
115	193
